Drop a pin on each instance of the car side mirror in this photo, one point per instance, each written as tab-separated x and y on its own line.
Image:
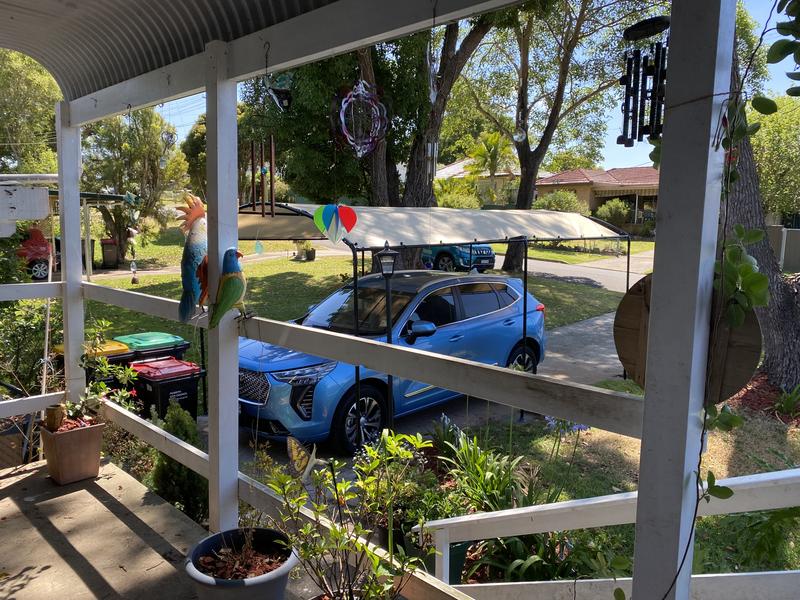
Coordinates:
419	329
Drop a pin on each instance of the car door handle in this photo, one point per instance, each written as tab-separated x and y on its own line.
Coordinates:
509	322
456	338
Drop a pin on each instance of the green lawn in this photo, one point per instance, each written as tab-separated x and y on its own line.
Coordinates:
166	249
571	302
572	257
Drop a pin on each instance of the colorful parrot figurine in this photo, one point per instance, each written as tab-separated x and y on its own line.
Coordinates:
202	275
231	289
195	250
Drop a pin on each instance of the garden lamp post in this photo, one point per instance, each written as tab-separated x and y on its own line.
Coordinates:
386	260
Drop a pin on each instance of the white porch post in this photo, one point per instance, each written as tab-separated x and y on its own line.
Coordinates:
701	44
68	141
223	362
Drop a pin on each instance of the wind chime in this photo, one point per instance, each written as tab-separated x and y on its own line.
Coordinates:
644	82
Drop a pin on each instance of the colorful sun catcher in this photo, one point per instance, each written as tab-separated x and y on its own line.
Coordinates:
334	220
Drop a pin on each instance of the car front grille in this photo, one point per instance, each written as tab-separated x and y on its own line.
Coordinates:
253	386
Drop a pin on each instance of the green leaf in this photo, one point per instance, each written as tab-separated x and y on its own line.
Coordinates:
753	128
739	230
620	563
619	594
720	491
753	235
793	75
712	480
734	254
764	105
788	28
780	49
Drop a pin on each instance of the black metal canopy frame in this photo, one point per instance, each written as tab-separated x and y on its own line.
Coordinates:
355	249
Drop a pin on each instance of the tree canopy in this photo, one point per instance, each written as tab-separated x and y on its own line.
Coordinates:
27	115
135	154
776	147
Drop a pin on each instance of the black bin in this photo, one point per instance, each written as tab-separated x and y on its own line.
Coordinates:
166	380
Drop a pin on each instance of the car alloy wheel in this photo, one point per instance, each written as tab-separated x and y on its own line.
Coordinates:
522	360
445	262
363	421
39	269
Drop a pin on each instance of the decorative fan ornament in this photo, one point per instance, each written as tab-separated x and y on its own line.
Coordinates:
362	117
334	220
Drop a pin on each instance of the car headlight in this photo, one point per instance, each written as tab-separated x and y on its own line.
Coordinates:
305	375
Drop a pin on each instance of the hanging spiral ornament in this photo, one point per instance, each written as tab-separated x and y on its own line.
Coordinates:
363	118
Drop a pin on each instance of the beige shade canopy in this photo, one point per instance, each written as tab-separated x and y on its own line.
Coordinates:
426	226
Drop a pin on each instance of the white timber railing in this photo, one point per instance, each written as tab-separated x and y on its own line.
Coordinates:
29	405
764	491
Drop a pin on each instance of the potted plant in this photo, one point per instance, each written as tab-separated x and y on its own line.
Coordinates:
327	521
72	435
250	561
308	250
242	563
72	438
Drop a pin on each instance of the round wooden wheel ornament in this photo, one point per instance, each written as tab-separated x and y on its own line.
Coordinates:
735	352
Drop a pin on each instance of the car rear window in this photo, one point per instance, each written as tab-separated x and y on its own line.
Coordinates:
506	295
478	299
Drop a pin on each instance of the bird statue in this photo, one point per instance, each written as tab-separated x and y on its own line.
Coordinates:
231	288
195	249
202	275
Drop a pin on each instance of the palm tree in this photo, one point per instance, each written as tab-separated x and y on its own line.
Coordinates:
491	153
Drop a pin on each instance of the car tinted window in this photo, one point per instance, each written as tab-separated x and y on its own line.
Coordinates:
438	307
336	311
478	299
506	295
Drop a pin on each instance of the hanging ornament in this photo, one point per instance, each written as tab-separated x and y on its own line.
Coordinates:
363	118
519	135
644	82
278	86
334	220
433	69
259	248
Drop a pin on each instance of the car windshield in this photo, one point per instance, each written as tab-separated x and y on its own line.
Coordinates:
336	311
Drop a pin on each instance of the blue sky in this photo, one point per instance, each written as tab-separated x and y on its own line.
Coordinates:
182	113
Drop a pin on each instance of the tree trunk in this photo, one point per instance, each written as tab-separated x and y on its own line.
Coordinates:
419	183
376	161
780	319
529	169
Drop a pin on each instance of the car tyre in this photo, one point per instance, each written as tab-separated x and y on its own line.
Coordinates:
445	262
38	269
523	357
361	420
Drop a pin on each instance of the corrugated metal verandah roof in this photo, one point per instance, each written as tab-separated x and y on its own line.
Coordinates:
89	45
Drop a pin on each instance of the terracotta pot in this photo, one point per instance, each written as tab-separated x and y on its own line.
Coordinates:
73	455
271	585
53	416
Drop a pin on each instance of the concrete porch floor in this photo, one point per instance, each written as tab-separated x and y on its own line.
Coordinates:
103	538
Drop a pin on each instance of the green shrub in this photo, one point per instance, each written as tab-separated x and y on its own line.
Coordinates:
615	211
561	201
458	201
455	185
283	193
174	482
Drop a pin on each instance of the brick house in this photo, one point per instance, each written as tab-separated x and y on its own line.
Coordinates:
636	185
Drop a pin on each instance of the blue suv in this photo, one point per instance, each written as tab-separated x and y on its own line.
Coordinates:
459	258
475	317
